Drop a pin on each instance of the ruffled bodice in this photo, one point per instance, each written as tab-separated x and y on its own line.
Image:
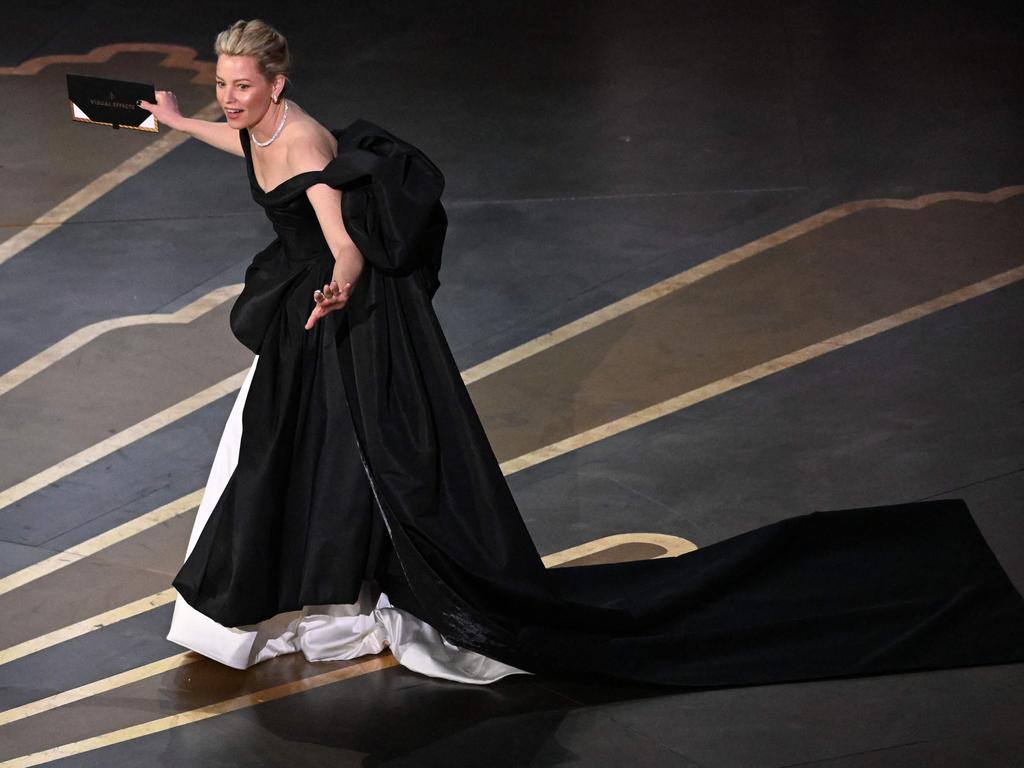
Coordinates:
390	207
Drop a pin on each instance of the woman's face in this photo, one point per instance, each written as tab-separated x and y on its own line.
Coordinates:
241	86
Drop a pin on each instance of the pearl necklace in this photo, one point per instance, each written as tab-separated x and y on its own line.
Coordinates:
277	132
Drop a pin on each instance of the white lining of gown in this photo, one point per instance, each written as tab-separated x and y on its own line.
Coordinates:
320	632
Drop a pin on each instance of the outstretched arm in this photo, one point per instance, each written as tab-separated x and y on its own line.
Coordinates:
219	135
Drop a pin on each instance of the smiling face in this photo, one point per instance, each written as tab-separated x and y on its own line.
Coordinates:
241	86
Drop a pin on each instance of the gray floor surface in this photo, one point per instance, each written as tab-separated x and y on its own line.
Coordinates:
590	149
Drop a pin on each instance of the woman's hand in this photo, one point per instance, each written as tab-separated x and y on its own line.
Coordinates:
166	108
333	295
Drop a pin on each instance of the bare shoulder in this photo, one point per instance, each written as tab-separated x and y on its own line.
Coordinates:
310	146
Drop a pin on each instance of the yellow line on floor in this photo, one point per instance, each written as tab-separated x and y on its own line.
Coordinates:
756	372
100	686
382	661
673	545
102	541
86	626
54	218
717	264
81	337
488	367
514	465
614	427
175	57
123	438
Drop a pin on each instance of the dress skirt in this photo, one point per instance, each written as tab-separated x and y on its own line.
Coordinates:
323	632
365	419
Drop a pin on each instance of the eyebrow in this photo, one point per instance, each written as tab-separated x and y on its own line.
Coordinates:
237	79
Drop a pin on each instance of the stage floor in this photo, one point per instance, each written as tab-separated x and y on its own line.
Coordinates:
708	266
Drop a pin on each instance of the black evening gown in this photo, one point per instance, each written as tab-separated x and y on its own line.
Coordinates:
391	477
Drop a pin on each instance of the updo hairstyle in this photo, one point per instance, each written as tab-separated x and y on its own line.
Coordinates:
258	39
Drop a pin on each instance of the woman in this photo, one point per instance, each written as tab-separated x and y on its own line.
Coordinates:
355	502
321	547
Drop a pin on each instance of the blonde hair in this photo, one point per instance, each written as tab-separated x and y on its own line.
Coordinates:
258	39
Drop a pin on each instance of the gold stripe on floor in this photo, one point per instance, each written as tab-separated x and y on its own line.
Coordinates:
660	290
22	373
123	438
99	686
175	57
373	664
670	546
756	372
54	218
609	429
85	626
102	541
717	264
560	447
667	546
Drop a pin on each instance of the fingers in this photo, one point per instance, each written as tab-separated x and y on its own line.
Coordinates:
328	299
331	295
313	317
162	98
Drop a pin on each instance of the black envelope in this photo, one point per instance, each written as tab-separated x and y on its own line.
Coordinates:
100	101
